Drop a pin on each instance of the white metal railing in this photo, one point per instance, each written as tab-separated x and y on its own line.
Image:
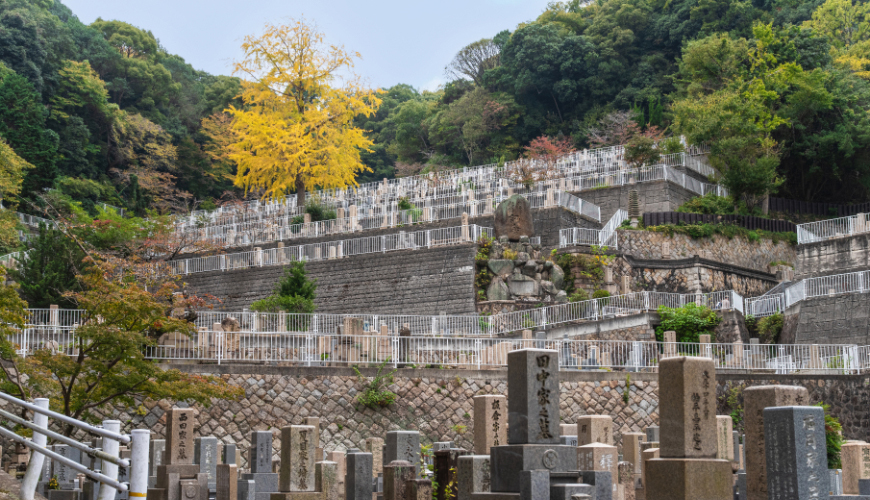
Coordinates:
332	249
812	232
764	305
477	353
32	220
584	236
109	455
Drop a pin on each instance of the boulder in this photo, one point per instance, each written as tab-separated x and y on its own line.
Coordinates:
523	285
497	290
522	258
501	267
548	287
561	297
530	268
513	219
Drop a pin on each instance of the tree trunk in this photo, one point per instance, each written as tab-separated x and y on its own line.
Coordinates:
300	191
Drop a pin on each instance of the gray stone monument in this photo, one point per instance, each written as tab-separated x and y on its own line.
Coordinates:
228	454
535	484
472	476
206	456
265	482
796	455
403	445
358	482
297	458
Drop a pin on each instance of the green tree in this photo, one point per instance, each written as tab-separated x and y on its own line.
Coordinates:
22	124
49	270
294	293
688	321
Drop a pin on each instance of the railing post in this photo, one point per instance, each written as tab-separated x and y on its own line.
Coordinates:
139	463
34	467
111	447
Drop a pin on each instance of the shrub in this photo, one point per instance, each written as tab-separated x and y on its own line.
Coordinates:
688	321
833	437
294	293
600	294
769	328
710	203
374	395
579	296
509	254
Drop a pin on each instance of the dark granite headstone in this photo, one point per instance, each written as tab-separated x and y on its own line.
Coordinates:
261	452
358	482
403	445
795	452
603	482
533	402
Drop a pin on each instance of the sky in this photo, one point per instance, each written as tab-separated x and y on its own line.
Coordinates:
400	41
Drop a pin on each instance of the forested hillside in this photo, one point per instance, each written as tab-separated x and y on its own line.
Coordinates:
778	89
104	113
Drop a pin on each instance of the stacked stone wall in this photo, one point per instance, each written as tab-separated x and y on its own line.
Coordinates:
835	319
835	256
658	196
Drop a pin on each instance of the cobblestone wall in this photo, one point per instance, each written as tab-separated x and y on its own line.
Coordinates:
836	256
737	251
659	196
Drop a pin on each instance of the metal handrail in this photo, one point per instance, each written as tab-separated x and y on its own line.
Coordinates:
67	420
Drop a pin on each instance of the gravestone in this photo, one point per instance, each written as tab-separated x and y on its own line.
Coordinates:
179	436
375	446
403	445
602	481
724	437
326	480
652	434
627	482
631	449
297	459
358	481
835	482
533	424
568	440
157	447
490	422
599	457
687	468
227	482
64	473
247	490
205	455
264	481
594	429
795	452
418	489
472	476
396	475
228	454
855	457
755	400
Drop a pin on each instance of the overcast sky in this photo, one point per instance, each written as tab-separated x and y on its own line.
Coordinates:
400	41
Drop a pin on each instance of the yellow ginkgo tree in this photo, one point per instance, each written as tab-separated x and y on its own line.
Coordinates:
295	129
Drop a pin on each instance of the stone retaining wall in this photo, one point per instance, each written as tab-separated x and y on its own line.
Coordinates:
836	256
657	196
438	403
837	319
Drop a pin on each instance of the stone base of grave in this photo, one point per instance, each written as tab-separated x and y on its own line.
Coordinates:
298	495
64	494
567	490
506	462
495	496
688	479
265	483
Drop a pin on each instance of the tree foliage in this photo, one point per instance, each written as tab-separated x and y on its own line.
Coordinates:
296	128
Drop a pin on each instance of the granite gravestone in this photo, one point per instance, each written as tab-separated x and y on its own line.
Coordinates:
796	453
472	476
179	436
594	429
297	459
205	455
403	445
179	478
687	468
490	422
855	457
533	422
261	482
396	475
755	400
226	482
375	446
358	481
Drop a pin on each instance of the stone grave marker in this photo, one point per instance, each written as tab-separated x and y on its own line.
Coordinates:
375	446
179	436
326	480
263	480
472	476
631	449
228	454
855	457
724	437
490	422
755	400
446	465
594	429
687	468
358	481
227	482
795	452
600	457
297	459
403	445
205	455
396	475
652	434
260	454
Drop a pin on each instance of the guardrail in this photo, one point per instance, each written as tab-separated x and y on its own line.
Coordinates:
842	227
765	305
109	456
480	353
327	250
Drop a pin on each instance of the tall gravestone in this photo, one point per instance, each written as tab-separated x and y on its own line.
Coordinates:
796	453
513	218
755	400
403	445
855	457
358	481
533	424
206	456
687	468
261	482
490	422
179	478
297	459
